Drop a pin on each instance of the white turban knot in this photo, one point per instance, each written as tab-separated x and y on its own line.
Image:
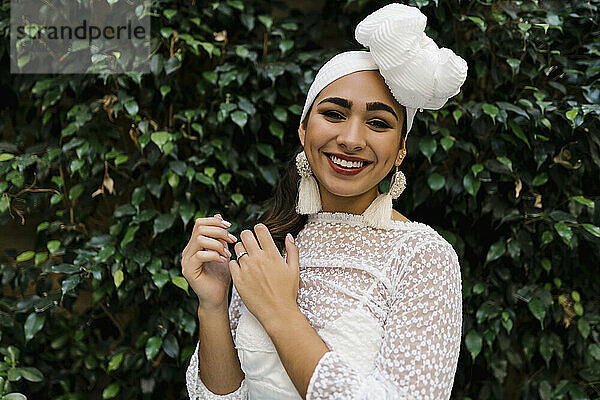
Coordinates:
418	73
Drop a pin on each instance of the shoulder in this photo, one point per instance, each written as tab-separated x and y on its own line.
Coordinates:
417	242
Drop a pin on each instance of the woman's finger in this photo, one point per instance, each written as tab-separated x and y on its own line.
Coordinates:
239	248
265	239
209	255
216	232
249	242
200	228
207	243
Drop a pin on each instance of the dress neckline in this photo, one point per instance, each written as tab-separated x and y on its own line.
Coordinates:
355	219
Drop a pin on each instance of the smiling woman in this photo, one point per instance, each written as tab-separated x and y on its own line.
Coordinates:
355	119
362	304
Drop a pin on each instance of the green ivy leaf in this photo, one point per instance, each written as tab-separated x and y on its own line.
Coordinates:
160	279
427	145
53	246
237	198
111	391
471	184
115	362
163	222
180	282
131	106
225	178
516	129
286	45
586	202
547	237
476	168
540	179
276	130
490	110
104	254
75	192
594	351
32	374
160	138
457	114
514	64
266	150
571	114
446	143
153	347
280	114
266	20
474	343
240	118
584	327
545	390
70	283
546	264
564	231
538	309
25	256
118	278
593	229
171	346
33	324
480	22
495	251
165	90
4	203
40	258
129	235
186	211
506	161
436	181
508	325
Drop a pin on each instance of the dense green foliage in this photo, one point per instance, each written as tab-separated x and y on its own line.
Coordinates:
113	169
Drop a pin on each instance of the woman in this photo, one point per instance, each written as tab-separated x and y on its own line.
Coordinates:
366	304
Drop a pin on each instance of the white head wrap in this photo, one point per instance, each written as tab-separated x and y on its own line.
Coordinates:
417	72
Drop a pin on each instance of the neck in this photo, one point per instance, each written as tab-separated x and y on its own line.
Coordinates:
345	204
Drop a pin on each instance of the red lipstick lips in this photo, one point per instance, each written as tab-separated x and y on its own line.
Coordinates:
347	171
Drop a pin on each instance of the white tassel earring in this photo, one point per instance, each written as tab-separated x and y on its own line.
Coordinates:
309	198
379	212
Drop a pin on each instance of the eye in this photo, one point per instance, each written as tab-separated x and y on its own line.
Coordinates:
332	114
380	124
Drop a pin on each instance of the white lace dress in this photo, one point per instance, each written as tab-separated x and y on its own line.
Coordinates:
387	303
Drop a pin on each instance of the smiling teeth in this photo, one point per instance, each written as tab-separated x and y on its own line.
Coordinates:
346	164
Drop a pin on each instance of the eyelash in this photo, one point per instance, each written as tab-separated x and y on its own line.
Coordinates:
334	114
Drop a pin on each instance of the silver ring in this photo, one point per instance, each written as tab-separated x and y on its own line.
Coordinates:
243	253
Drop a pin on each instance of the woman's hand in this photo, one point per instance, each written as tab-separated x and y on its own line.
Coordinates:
204	261
267	284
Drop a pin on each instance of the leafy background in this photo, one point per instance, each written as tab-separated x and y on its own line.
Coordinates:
101	177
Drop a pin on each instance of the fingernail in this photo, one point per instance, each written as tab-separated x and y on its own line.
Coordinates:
226	223
223	259
227	251
290	238
232	237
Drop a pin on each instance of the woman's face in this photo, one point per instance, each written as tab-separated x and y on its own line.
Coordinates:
353	117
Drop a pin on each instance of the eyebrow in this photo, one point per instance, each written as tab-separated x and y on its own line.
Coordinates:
373	106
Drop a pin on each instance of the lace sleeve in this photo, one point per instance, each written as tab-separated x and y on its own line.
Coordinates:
421	342
195	387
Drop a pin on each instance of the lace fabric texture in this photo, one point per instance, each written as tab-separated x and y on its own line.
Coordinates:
387	303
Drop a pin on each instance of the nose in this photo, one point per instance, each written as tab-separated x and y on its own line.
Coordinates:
351	137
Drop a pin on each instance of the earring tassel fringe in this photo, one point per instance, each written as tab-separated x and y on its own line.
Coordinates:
379	212
309	199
